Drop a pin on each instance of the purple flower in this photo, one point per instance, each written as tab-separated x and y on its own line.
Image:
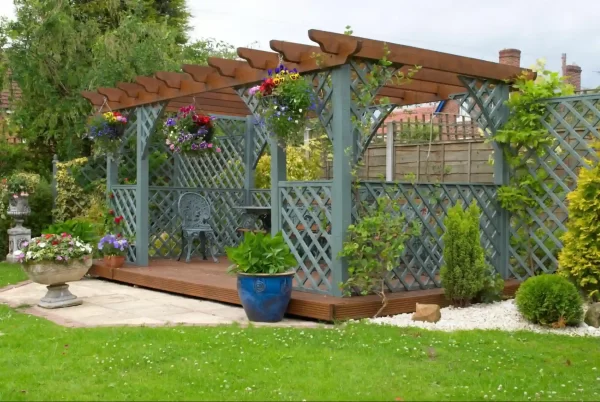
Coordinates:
253	90
202	145
194	146
171	122
25	244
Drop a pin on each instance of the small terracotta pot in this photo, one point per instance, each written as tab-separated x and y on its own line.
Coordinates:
114	261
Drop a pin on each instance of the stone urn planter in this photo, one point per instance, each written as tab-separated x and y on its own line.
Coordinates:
56	275
18	209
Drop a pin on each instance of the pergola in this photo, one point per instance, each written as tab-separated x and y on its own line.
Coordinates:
313	216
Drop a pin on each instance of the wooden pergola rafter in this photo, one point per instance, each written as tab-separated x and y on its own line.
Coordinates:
211	87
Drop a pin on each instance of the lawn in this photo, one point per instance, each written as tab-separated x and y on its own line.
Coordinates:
43	361
11	273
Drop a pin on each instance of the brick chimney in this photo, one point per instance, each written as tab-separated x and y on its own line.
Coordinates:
573	75
511	57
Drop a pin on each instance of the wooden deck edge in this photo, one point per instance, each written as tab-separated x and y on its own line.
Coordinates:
325	309
317	310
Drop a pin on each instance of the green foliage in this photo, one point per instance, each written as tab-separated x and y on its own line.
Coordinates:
524	132
493	287
299	167
550	300
373	247
579	260
13	158
55	49
86	230
463	272
261	254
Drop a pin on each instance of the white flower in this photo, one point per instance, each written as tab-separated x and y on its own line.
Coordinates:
78	244
18	253
42	245
296	121
300	110
88	249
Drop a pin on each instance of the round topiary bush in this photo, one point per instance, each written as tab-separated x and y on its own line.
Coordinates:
550	299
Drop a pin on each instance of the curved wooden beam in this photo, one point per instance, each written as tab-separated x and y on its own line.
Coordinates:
372	49
238	70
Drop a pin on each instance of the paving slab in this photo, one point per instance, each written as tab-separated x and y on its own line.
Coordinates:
107	303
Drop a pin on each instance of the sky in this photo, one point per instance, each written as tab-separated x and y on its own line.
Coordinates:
540	29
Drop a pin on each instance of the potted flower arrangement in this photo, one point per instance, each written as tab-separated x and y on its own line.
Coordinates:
106	130
264	267
190	132
286	99
53	260
113	246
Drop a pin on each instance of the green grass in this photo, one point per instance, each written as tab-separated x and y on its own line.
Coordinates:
10	274
43	361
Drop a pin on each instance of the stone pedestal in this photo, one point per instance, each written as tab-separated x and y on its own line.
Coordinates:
58	296
16	237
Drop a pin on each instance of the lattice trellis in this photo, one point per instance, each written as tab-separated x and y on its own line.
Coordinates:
306	227
420	264
574	124
367	118
123	202
261	198
261	134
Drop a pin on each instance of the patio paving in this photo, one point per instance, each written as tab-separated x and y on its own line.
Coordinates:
112	304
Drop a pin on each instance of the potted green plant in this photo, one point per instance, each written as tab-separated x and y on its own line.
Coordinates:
264	267
113	246
54	260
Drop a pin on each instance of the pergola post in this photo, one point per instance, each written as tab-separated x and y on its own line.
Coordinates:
145	118
112	172
249	159
278	173
344	143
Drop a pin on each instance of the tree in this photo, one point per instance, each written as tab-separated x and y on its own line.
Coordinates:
57	48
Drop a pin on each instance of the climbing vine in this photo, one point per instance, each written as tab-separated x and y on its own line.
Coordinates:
524	139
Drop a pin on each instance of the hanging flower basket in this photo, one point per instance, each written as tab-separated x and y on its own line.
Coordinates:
191	133
106	130
285	98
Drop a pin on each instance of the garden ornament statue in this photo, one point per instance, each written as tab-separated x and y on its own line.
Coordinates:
18	209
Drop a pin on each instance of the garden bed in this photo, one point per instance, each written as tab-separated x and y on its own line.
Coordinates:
501	315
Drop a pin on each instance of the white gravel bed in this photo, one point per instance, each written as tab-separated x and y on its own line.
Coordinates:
501	315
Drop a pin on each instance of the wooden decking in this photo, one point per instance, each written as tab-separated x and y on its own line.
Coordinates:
207	280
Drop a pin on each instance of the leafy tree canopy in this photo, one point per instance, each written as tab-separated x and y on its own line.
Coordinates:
54	49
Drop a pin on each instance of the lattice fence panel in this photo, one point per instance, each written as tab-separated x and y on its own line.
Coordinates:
306	227
165	223
123	202
261	198
216	170
574	125
428	204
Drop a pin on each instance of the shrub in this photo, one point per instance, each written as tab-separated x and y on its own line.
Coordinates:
579	260
549	300
464	267
493	287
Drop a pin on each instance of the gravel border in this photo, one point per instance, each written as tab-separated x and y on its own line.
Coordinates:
500	316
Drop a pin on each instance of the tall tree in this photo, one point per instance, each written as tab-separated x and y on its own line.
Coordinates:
57	48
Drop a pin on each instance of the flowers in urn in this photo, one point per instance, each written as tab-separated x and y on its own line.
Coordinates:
55	248
190	132
286	100
16	189
106	130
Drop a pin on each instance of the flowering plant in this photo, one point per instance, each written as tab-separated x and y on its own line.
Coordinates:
16	185
190	132
287	99
113	243
53	247
107	130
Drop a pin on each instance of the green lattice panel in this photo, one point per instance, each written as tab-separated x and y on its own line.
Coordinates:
428	204
223	170
323	90
165	224
367	115
261	198
261	135
306	224
123	202
574	124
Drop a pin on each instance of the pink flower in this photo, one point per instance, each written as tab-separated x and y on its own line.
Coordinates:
15	195
172	147
253	90
218	150
209	146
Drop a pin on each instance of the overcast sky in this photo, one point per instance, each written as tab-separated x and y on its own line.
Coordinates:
475	28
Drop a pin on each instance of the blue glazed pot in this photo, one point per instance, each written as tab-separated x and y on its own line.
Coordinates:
265	297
